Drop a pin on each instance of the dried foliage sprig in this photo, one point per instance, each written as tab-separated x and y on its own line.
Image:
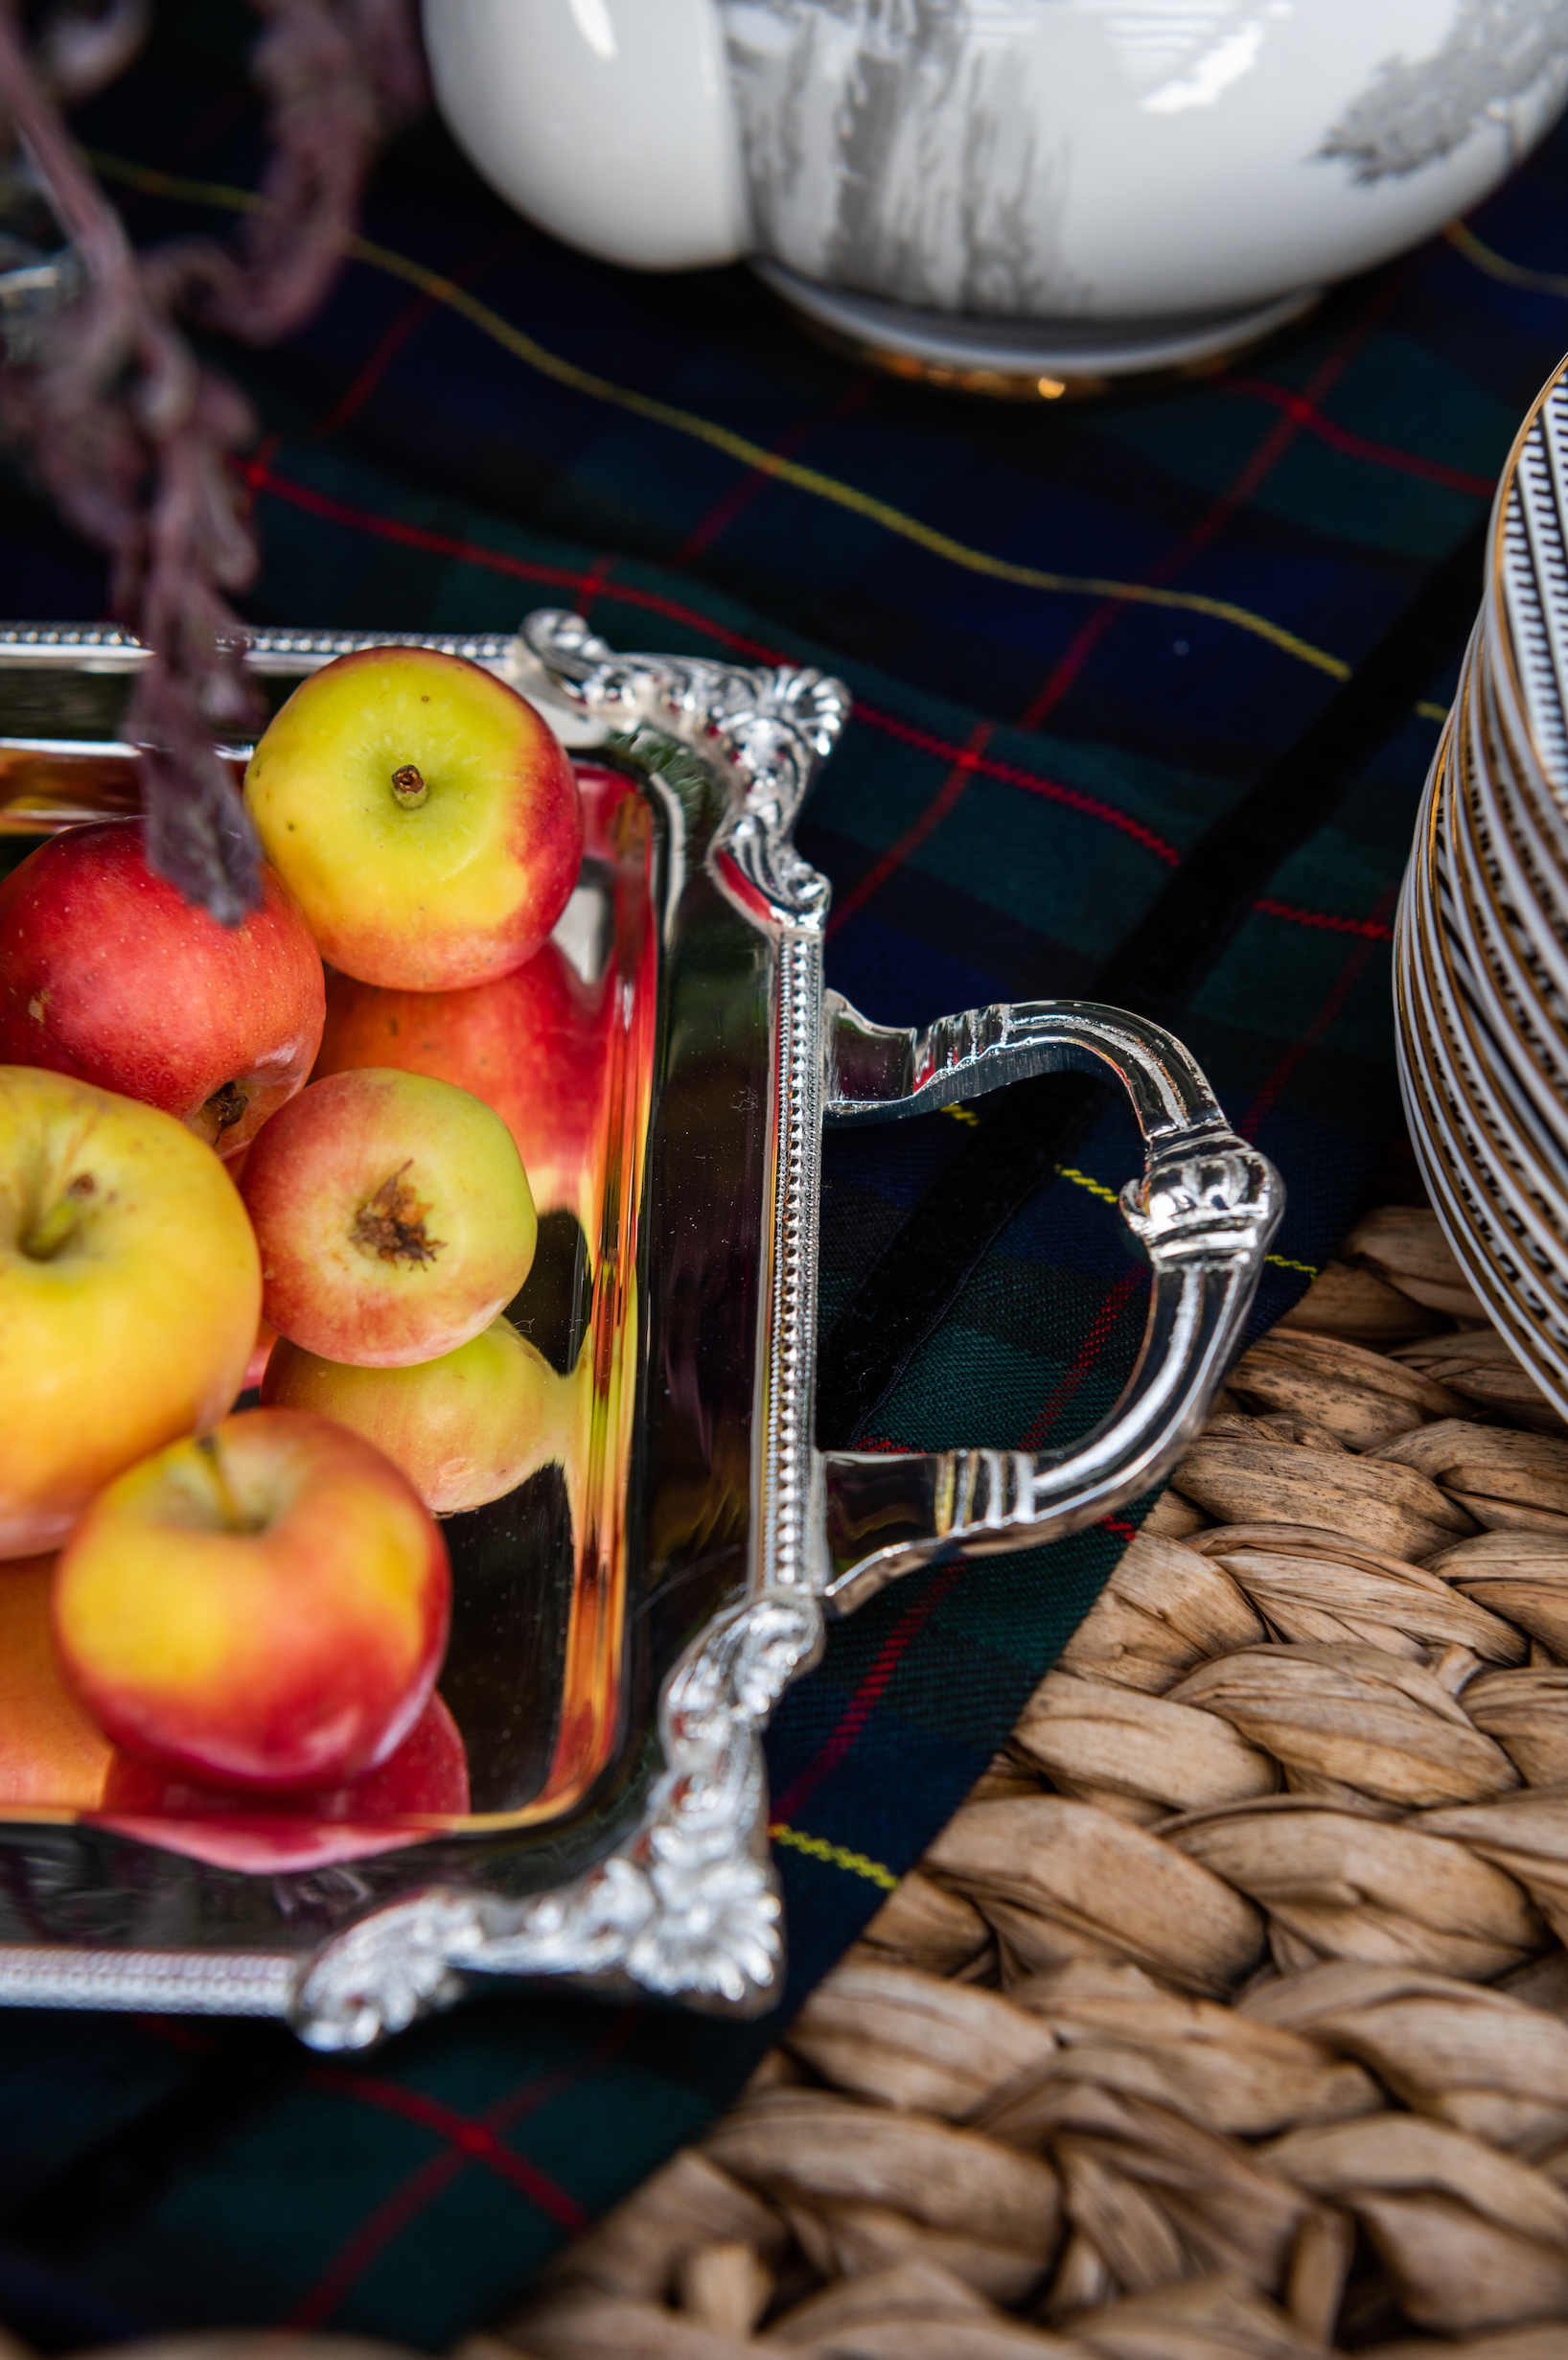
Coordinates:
132	435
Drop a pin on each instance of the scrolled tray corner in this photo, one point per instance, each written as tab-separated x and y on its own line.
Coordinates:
700	1567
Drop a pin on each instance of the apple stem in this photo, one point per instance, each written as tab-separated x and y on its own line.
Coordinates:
391	1223
228	1507
227	1107
409	787
53	1233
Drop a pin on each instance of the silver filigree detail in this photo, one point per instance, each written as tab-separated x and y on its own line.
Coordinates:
769	728
689	1904
791	1550
1415	111
1218	1198
385	1971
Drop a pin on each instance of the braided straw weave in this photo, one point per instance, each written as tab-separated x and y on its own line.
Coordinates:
1230	2016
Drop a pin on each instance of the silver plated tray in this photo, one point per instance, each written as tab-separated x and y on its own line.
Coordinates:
627	1620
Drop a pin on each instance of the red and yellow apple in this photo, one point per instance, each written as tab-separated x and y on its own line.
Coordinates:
534	1045
264	1606
129	1293
422	813
51	1754
426	1779
393	1214
465	1428
108	974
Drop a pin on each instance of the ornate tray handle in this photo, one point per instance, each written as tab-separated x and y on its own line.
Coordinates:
1205	1208
1204	1211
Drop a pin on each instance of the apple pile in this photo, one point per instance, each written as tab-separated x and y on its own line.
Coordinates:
224	1628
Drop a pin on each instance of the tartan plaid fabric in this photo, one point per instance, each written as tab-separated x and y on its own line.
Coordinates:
1144	696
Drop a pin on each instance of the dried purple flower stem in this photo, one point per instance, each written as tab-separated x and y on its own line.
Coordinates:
133	437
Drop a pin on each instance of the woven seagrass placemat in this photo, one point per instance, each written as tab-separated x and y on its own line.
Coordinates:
1229	2015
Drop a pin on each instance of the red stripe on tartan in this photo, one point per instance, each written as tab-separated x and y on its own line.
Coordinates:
1344	984
474	553
360	387
944	801
372	2237
593	582
1264	459
423	2185
1358	446
174	2032
476	2140
1118	1527
724	512
866	1697
394	337
1105	1319
1011	776
262	479
253	470
1373	928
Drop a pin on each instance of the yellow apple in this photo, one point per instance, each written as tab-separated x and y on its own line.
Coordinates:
51	1754
129	1293
465	1428
423	815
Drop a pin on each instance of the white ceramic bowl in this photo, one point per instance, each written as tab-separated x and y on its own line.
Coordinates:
1004	180
610	122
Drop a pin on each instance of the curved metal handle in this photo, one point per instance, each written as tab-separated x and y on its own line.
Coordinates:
1204	1211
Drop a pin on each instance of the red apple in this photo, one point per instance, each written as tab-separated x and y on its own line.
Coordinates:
108	975
129	1290
534	1045
426	1779
464	1429
264	1606
422	814
393	1214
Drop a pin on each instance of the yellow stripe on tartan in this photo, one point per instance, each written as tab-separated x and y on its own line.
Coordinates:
1308	1270
1081	1180
1463	240
153	183
834	1854
1430	710
737	447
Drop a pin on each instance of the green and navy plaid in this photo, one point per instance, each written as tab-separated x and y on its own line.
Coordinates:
1145	695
